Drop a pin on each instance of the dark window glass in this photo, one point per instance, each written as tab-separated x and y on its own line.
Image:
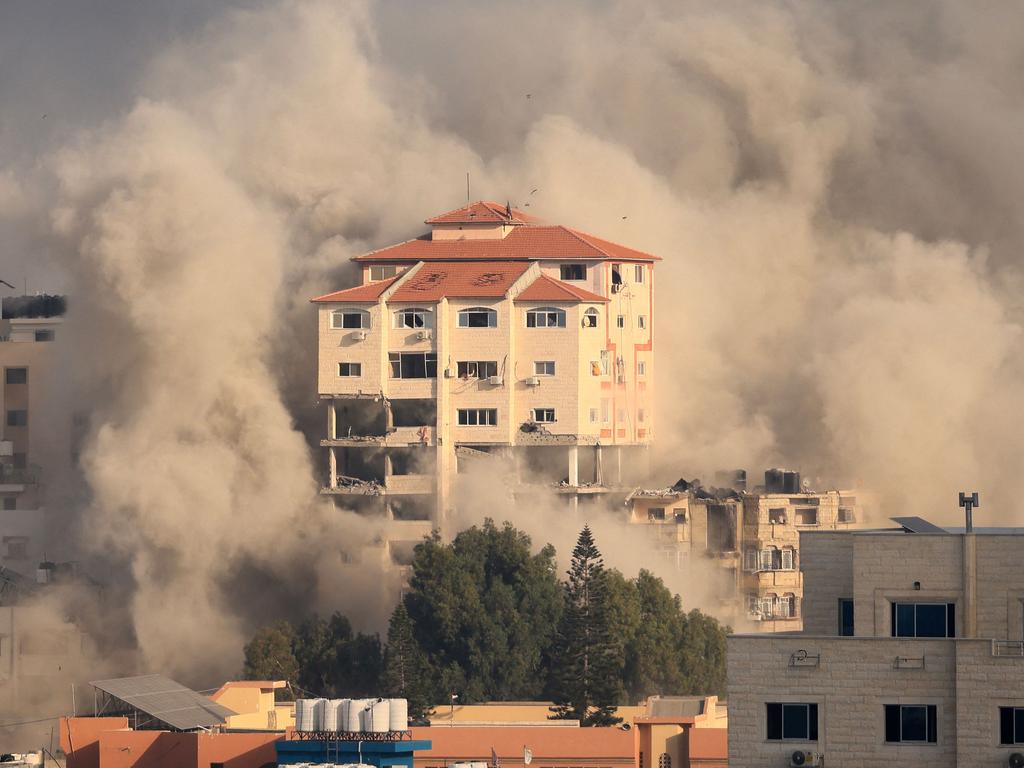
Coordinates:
812	720
17	376
44	335
17	418
10	502
951	620
892	723
846	618
903	614
913	724
352	320
930	620
794	721
774	712
413	365
574	272
1007	716
933	724
1018	725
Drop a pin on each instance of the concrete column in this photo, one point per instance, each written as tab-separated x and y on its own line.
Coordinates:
389	417
618	465
970	586
332	468
574	465
598	469
389	468
332	420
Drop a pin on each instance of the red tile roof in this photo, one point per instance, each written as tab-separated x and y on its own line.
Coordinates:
483	211
529	242
546	288
475	280
369	292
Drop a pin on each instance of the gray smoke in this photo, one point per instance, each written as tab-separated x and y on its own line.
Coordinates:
833	188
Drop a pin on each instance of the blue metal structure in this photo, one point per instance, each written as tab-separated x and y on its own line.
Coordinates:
382	754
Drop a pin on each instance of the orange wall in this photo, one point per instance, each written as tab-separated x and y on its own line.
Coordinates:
708	747
80	738
238	750
551	745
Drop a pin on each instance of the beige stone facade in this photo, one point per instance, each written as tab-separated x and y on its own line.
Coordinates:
498	338
950	693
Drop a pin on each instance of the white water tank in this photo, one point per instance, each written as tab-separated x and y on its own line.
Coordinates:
379	716
331	710
304	712
342	713
398	717
319	710
353	722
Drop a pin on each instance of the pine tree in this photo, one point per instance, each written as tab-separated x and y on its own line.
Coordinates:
587	677
269	656
405	665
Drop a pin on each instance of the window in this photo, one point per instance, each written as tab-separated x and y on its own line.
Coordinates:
350	318
679	515
913	723
20	460
807	516
606	362
1011	725
478	417
350	369
413	317
923	620
638	273
785	606
478	369
796	722
787	560
777	515
413	365
16	547
664	761
44	336
590	318
543	415
641	321
10	502
574	271
17	418
622	414
846	515
16	376
383	271
606	410
641	368
655	513
640	415
616	277
620	322
478	317
750	560
545	317
845	617
544	368
593	416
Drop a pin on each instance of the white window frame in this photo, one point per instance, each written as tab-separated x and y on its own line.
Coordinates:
620	321
545	313
591	318
638	273
463	319
490	417
401	316
540	415
392	269
641	367
476	369
365	323
540	367
358	368
594	415
606	362
641	322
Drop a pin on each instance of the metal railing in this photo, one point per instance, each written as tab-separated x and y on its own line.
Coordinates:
11	475
1007	648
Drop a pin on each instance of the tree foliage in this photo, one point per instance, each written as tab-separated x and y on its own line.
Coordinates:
587	679
488	619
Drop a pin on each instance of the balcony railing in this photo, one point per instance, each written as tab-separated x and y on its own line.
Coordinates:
10	475
1007	648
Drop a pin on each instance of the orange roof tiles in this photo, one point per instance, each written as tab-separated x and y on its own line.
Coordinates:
483	211
369	292
475	280
529	242
546	288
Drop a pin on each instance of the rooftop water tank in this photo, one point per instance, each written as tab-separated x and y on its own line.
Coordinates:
304	714
379	716
353	720
331	708
398	718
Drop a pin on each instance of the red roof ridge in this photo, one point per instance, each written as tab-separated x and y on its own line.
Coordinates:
588	239
499	211
357	291
550	285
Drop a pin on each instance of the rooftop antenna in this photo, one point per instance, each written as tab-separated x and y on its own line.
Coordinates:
969	501
468	198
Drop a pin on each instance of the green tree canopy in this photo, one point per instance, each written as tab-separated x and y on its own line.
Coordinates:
406	674
269	655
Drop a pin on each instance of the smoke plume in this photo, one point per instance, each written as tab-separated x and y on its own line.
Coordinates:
832	187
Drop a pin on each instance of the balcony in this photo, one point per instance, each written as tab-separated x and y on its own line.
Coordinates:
11	475
399	437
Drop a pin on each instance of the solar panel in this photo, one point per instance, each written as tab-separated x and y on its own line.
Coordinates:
166	701
917	525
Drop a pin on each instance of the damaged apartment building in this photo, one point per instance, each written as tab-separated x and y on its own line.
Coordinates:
493	342
744	545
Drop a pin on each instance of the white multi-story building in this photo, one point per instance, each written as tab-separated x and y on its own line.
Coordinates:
912	654
491	334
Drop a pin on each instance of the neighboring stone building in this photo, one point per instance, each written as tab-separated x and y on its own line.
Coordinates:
912	654
744	545
493	335
31	436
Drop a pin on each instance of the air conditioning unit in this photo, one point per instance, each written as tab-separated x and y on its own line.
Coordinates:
424	335
448	373
533	381
1015	760
360	335
494	380
801	758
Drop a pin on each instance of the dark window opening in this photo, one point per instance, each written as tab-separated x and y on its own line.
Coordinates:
1011	725
44	336
16	376
923	620
413	365
914	723
479	369
796	722
574	271
17	418
845	617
